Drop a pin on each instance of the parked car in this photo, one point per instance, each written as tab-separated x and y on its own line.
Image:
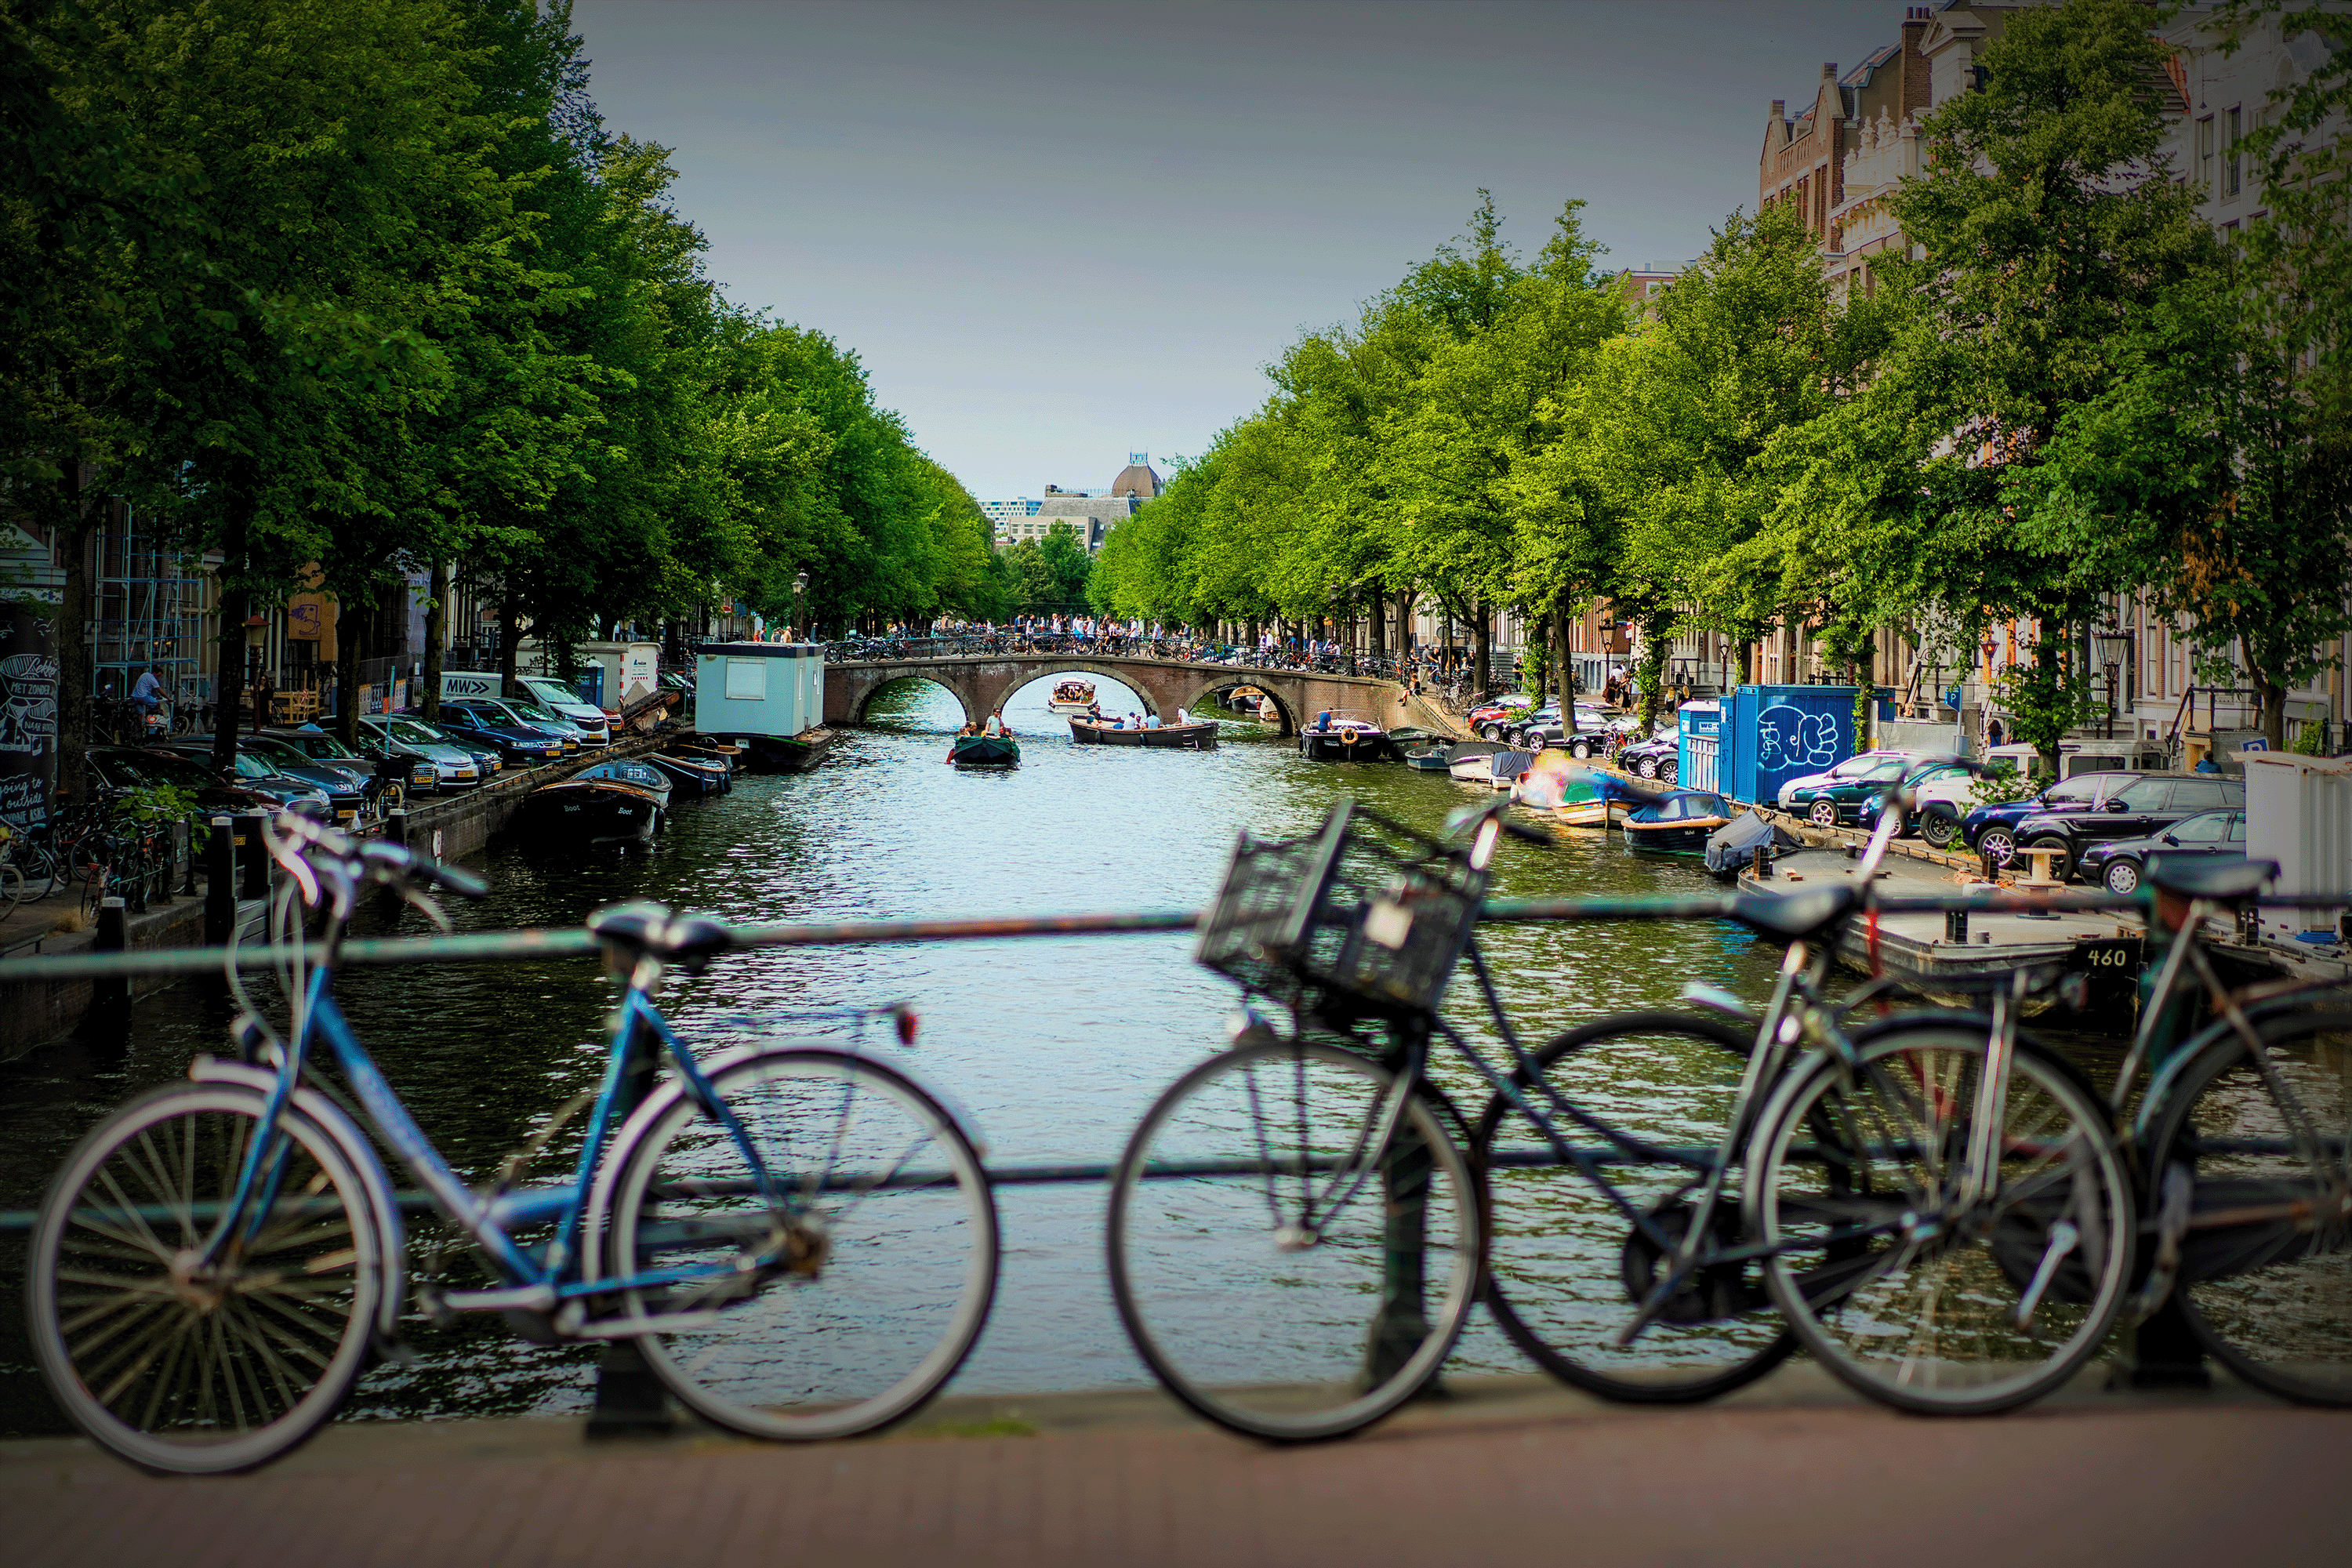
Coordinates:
1992	830
1857	797
128	767
1851	768
558	698
487	723
488	754
258	758
534	714
2146	805
1594	725
454	767
1489	721
250	772
2119	864
1659	757
395	772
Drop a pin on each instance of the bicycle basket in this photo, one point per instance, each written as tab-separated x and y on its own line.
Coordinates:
1365	908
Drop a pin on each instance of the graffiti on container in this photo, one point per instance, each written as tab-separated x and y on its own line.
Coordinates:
1789	736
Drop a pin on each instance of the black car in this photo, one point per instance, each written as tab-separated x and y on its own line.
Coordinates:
130	767
2117	865
487	724
2146	805
1993	830
335	801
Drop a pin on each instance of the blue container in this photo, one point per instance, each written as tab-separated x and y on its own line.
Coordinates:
1698	746
1774	733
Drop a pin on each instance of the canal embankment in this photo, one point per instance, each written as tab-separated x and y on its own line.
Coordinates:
33	1013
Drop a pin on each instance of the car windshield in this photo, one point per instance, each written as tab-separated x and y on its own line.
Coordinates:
411	732
322	746
524	709
159	767
551	691
275	753
250	766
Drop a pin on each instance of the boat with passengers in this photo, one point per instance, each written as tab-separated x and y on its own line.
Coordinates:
1072	697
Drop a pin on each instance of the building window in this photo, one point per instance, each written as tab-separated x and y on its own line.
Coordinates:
2233	164
2205	156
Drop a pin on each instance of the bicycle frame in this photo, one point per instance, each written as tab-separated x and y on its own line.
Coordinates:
542	1281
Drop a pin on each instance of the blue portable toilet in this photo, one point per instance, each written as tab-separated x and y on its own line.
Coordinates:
1698	729
1774	733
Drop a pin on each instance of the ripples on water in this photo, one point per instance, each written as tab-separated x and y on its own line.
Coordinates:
1052	1047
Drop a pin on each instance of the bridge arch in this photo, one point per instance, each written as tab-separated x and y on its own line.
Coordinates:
1286	709
1048	668
863	699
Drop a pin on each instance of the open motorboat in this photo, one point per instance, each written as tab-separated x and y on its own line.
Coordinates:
1679	822
587	813
692	777
1343	735
1199	737
1071	697
1498	767
985	752
635	772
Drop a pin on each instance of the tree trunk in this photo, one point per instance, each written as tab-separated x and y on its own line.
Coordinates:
1556	628
1481	651
509	634
1542	667
438	586
2274	701
235	604
73	636
349	650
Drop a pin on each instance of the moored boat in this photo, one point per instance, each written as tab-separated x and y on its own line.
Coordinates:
1072	697
1430	758
1200	737
1244	699
587	813
1678	823
690	776
1340	735
635	772
985	752
1495	767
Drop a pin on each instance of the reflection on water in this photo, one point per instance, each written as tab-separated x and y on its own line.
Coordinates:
1052	1047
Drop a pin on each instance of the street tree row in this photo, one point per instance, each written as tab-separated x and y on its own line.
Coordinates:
2072	389
340	295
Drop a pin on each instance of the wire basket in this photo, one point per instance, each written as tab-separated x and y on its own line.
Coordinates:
1363	910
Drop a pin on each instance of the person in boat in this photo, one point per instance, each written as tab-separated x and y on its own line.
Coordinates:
1323	719
996	724
960	735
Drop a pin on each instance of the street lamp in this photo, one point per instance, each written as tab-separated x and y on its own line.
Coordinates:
799	606
2114	649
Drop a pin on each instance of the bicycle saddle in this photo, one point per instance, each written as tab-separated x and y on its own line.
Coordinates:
2208	876
1791	917
652	930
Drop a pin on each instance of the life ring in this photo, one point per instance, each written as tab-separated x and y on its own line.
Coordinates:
1347	737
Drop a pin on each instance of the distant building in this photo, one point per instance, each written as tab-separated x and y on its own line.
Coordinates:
1093	513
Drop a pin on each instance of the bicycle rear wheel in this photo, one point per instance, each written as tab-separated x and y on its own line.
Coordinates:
1905	1285
181	1366
1281	1274
850	1272
2271	1294
1567	1264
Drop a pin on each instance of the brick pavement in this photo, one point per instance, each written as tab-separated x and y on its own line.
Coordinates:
1796	1473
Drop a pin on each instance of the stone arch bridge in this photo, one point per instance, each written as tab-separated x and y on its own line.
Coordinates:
983	683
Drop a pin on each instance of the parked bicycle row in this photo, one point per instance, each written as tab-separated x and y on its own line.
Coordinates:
802	1240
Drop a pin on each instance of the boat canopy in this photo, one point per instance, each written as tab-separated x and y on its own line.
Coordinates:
1684	806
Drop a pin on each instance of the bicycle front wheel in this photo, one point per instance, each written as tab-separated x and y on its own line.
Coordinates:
829	1240
1911	1286
181	1364
2266	1265
1571	1256
1281	1272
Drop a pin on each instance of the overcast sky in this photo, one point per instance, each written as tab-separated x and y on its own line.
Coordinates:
1058	233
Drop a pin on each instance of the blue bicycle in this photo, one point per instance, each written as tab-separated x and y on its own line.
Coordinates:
800	1237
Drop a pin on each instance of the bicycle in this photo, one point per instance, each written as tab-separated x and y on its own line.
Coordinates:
800	1237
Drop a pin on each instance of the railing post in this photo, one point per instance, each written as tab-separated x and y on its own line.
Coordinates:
1401	1324
395	826
112	994
220	882
257	858
630	1400
183	843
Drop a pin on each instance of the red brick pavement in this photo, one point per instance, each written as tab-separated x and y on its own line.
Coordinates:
2117	1482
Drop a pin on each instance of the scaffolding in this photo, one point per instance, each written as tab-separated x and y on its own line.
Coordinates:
146	611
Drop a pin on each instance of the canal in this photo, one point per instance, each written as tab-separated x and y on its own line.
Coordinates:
1053	1048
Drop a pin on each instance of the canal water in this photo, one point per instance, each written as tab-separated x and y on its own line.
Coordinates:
1052	1047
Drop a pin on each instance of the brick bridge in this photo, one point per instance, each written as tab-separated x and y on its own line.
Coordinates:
983	683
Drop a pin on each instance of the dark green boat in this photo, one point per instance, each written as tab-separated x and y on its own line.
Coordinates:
985	752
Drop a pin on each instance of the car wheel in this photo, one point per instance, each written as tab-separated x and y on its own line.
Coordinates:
1667	770
2122	877
1647	767
2061	863
1939	831
1997	844
1492	733
1582	751
1823	813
